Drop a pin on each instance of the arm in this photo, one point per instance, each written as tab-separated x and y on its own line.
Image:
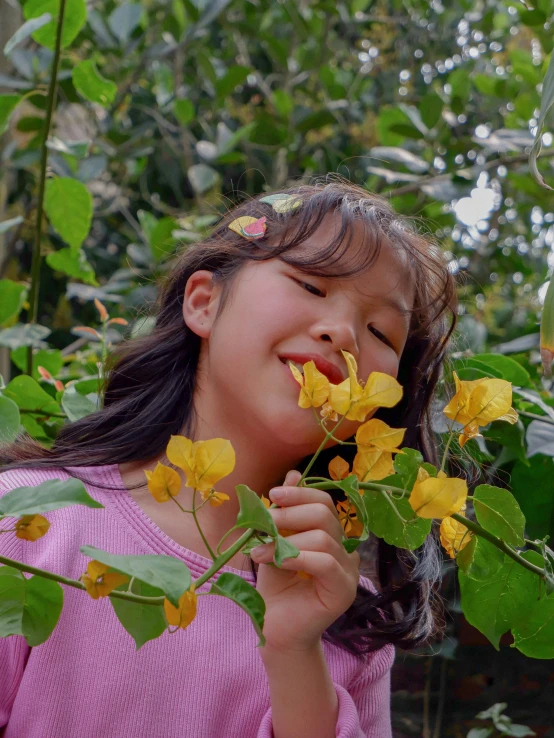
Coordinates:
361	711
304	703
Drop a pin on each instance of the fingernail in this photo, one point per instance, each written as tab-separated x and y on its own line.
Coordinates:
276	494
260	552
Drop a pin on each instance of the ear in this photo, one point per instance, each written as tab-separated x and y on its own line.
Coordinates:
200	302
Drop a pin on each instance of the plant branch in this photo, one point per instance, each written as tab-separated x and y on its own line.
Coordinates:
542	418
512	553
50	105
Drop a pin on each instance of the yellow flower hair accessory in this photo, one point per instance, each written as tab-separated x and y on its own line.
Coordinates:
250	228
281	202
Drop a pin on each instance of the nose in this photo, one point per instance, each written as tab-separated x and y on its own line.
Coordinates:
339	330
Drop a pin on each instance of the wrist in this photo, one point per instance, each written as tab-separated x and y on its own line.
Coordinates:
283	654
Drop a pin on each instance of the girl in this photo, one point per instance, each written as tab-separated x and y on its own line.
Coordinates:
337	270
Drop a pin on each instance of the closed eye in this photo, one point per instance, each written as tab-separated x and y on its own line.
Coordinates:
310	288
380	336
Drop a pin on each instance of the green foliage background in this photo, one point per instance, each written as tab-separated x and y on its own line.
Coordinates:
167	112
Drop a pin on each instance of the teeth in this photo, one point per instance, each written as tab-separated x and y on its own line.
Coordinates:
300	367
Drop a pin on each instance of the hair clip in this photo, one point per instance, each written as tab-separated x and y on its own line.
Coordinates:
248	227
281	202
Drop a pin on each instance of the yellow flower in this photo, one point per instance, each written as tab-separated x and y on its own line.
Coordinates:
437	497
327	413
338	468
372	464
454	536
218	498
183	615
350	523
205	463
99	582
478	402
377	434
163	483
31	527
349	398
314	386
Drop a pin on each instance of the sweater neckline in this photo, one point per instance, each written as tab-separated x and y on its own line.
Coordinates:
117	497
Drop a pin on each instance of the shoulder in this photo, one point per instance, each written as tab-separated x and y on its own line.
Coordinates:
28	477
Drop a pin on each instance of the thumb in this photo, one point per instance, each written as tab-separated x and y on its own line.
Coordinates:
292	478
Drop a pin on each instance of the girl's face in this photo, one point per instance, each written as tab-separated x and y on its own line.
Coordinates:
275	312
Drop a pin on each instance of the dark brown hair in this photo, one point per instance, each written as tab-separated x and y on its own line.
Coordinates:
150	380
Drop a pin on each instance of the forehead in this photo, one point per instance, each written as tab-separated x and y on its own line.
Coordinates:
364	262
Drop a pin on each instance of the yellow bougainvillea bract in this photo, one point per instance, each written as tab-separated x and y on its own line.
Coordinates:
31	527
205	463
99	582
372	465
454	536
478	402
377	434
437	497
338	468
163	483
183	615
314	386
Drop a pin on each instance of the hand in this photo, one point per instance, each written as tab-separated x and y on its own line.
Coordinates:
300	609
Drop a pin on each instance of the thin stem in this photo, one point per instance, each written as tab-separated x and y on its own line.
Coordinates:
391	503
224	558
41	412
194	510
319	450
512	553
362	485
446	449
542	418
128	596
50	104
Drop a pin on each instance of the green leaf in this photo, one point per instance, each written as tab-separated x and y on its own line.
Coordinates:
25	31
9	420
28	607
54	494
284	550
142	622
68	204
393	519
123	21
534	636
184	111
77	406
430	109
245	596
13	297
169	574
509	369
316	120
498	512
406	465
73	263
512	437
92	85
502	602
480	560
253	513
537	507
50	359
74	19
8	104
471	368
233	77
27	393
547	101
28	334
161	238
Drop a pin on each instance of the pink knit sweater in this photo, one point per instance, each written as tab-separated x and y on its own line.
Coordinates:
208	681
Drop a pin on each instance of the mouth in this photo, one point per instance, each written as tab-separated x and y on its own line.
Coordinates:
326	367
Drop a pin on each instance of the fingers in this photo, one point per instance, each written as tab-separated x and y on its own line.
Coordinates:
309	517
286	496
314	541
292	478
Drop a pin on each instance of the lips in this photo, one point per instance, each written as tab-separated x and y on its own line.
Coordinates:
326	367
